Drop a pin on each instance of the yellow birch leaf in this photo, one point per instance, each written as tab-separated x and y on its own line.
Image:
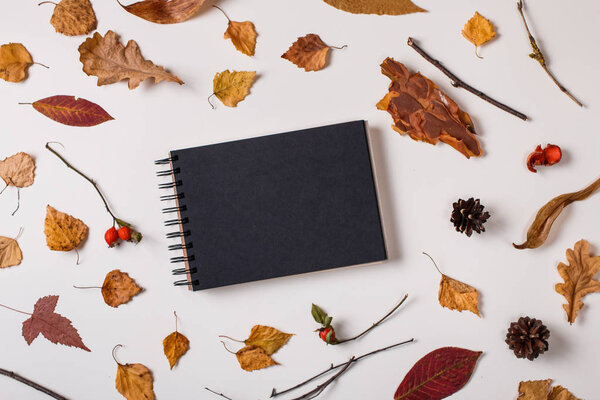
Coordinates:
242	35
456	295
578	277
175	345
119	288
14	61
252	358
534	390
18	170
134	382
267	338
63	232
381	7
233	87
478	30
560	393
10	252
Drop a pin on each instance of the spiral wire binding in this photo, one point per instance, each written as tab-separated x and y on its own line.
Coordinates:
172	172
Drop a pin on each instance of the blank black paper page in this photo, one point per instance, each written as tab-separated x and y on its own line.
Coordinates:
279	205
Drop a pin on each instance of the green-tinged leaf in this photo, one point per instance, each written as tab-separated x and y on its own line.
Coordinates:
320	316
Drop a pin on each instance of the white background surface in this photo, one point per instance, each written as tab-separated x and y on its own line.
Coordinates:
418	184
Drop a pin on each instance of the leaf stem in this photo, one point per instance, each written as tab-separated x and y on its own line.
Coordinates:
376	323
224	345
87	287
433	261
539	56
14	309
85	177
19	234
338	48
220	9
217	393
18	196
208	99
42	65
456	82
230	338
113	353
175	313
32	384
47	2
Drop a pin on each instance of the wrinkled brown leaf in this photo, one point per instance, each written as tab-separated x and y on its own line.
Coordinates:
73	17
18	170
560	393
164	11
252	358
242	35
14	61
119	288
134	382
10	252
308	52
267	338
423	112
233	87
578	277
478	30
540	228
175	345
456	295
381	7
534	390
63	232
106	58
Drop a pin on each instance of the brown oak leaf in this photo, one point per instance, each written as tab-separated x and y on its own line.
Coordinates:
106	58
478	30
232	87
578	277
456	295
63	231
252	358
14	62
73	17
381	7
308	52
267	338
164	11
425	113
53	326
18	170
134	382
10	252
119	288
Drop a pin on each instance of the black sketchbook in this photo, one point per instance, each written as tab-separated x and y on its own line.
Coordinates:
273	206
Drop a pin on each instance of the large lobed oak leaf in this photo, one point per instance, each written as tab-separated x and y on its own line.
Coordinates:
423	112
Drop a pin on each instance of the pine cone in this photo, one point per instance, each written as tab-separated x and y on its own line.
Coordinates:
467	216
528	338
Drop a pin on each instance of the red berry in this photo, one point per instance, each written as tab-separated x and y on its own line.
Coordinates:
324	332
125	233
111	236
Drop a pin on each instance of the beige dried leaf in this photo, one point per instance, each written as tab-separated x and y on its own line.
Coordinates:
119	288
252	358
73	17
267	338
18	170
242	35
10	252
457	295
534	390
63	231
106	58
381	7
14	61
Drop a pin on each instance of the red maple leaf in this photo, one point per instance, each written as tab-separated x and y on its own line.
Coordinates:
53	326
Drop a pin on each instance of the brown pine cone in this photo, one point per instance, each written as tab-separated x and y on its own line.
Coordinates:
528	338
468	216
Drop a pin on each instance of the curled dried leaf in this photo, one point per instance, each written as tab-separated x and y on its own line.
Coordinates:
63	231
456	295
18	170
540	228
164	11
119	288
73	17
381	7
252	358
14	62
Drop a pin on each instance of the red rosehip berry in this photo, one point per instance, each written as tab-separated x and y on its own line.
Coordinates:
111	236
124	233
324	332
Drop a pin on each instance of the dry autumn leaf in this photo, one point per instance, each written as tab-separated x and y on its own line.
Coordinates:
18	170
578	277
232	87
119	288
71	111
309	52
242	34
106	58
267	338
134	381
164	11
10	252
423	112
478	30
73	17
14	61
560	393
175	345
540	228
63	232
534	390
381	7
252	358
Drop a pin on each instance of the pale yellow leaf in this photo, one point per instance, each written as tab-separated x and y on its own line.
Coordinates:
233	87
267	338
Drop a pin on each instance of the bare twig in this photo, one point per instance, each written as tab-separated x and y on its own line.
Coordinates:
539	56
456	82
376	323
320	388
218	394
32	384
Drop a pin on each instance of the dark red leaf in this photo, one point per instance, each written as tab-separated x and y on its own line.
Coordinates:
438	375
71	111
53	326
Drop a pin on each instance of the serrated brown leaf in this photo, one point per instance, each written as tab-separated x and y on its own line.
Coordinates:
560	393
53	326
164	11
425	113
267	338
252	358
540	228
63	231
534	390
175	345
308	52
478	30
134	382
18	170
72	111
578	277
242	35
106	58
233	87
119	288
14	61
10	252
457	295
380	7
74	17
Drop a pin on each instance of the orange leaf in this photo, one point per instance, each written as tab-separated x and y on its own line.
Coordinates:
63	231
478	30
73	17
381	7
456	295
134	382
308	52
164	11
242	35
14	62
175	345
118	288
252	358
